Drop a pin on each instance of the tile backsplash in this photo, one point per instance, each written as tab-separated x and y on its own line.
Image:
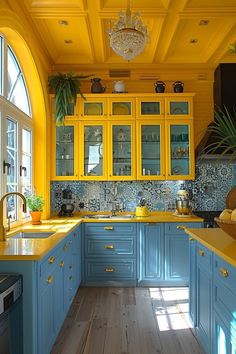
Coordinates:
213	181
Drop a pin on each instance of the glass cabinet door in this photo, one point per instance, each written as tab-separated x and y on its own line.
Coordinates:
122	149
65	150
150	108
179	107
150	144
92	108
180	151
92	161
122	108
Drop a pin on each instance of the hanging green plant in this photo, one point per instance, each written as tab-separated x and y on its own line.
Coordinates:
65	87
224	130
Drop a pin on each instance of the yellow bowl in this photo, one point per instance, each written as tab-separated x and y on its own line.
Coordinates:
228	226
141	211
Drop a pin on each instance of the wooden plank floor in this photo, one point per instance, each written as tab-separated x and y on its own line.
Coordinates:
128	321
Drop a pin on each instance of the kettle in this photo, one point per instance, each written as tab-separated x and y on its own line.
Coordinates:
119	86
160	86
96	86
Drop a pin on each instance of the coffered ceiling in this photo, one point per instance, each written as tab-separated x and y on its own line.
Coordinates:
74	33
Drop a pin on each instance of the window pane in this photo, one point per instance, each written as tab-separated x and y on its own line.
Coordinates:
25	169
16	91
11	138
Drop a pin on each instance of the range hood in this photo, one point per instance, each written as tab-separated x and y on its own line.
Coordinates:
224	96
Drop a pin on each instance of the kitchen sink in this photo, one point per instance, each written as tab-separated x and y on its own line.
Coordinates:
32	235
98	216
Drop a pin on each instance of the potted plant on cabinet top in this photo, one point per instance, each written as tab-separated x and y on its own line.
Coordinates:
224	131
35	204
65	87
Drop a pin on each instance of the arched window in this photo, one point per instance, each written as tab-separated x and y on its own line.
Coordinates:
16	131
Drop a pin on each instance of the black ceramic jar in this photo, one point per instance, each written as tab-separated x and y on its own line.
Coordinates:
160	86
178	86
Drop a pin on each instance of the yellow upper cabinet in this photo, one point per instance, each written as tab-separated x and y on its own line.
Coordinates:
65	152
126	137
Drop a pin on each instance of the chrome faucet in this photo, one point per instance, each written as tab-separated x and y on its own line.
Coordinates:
2	228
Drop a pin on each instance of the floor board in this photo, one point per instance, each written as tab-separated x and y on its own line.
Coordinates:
128	321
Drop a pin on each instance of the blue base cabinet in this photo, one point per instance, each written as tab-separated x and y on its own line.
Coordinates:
164	254
49	286
192	281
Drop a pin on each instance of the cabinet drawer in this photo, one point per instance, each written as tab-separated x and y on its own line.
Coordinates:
171	228
104	246
225	273
110	270
225	302
204	257
49	262
105	229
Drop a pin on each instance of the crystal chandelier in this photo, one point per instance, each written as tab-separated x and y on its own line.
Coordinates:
128	35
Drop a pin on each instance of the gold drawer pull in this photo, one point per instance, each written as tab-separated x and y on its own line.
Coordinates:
201	253
50	279
62	263
51	260
108	227
190	239
224	272
109	269
109	247
181	227
65	247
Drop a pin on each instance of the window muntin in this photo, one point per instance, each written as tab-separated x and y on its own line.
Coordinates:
1	65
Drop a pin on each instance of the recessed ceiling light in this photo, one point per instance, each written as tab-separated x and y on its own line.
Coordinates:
63	23
203	22
68	41
193	40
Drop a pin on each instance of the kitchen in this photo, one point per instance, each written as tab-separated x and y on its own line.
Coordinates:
45	39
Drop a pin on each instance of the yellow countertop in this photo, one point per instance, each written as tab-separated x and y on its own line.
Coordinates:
35	249
217	241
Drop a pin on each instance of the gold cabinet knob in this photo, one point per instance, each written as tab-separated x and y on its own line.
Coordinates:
181	227
109	269
191	239
109	247
201	253
224	272
108	228
50	279
51	259
65	247
62	263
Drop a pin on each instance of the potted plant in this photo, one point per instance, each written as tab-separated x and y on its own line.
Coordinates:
224	131
35	204
65	87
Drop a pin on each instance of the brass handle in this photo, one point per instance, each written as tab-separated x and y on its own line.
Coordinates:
224	272
50	279
181	227
201	253
190	239
109	247
109	269
108	228
65	247
51	260
151	223
62	263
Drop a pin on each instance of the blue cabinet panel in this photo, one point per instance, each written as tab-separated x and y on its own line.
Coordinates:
192	281
110	270
106	246
109	229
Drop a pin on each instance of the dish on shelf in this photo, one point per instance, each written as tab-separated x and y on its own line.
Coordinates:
93	109
177	110
120	108
176	170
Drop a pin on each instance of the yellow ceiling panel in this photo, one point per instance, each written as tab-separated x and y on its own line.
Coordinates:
55	3
134	4
210	3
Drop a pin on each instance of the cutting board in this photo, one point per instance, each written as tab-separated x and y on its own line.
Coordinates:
231	199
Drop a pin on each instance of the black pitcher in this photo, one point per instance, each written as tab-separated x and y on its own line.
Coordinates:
178	86
96	86
160	86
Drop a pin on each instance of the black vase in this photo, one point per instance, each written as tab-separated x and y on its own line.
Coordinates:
178	87
160	86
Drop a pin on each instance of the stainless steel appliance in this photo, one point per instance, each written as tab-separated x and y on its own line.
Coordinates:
183	204
11	314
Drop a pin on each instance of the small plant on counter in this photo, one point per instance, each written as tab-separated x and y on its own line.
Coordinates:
35	204
65	87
